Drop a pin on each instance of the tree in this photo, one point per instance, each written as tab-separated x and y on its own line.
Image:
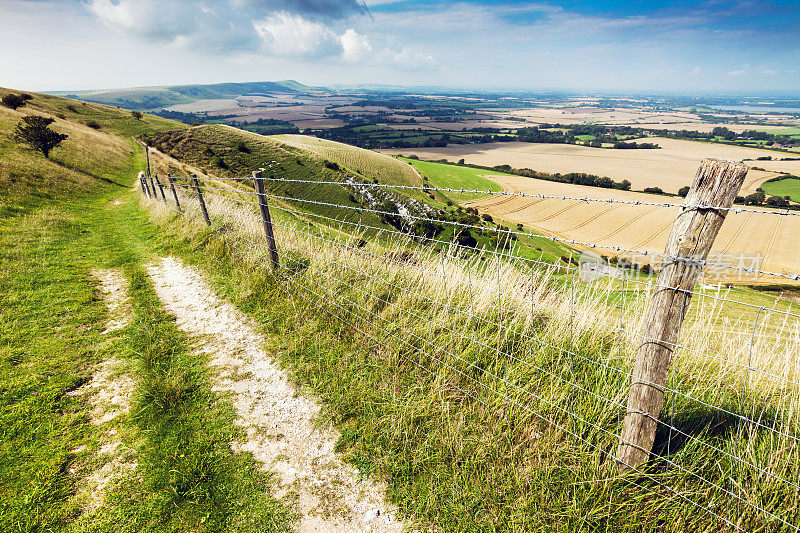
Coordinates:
683	191
33	130
13	101
136	114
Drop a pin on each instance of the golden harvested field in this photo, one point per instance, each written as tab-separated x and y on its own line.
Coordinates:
670	167
368	163
770	240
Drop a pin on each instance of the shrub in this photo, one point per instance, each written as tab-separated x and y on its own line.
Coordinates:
653	190
683	191
217	161
136	114
93	124
487	217
33	130
332	165
12	101
464	238
242	147
71	107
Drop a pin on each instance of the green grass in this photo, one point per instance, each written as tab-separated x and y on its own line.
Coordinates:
453	176
479	441
788	187
51	318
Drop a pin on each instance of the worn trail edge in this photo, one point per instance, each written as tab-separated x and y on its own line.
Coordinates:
283	429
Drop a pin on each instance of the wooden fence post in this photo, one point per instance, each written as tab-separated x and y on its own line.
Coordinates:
161	188
141	182
716	184
258	181
174	192
147	156
200	197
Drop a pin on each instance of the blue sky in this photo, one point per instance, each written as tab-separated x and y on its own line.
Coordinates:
717	45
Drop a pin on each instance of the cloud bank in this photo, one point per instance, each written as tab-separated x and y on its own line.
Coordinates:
303	29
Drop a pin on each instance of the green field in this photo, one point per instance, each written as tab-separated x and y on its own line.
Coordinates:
452	176
787	187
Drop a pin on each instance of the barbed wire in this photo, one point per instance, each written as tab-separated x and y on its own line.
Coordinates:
696	262
342	282
592	361
543	196
566	411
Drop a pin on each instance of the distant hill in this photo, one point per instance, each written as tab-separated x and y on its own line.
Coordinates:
152	98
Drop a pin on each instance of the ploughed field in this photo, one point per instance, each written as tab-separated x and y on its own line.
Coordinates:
767	242
670	167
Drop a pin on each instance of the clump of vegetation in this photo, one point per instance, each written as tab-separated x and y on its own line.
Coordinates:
34	131
14	101
93	124
137	115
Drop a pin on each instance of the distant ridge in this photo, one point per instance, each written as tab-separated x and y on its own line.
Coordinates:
156	97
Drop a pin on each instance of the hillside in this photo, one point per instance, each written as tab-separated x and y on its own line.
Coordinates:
370	164
151	98
99	149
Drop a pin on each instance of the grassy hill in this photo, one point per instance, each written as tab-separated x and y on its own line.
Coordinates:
99	149
151	98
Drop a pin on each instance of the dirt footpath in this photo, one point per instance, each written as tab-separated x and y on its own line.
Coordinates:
282	426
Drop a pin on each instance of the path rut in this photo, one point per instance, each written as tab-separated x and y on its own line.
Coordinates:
283	432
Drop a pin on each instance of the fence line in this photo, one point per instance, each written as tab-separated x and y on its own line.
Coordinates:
755	423
586	199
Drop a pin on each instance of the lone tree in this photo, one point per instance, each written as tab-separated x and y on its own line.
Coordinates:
13	101
137	115
33	130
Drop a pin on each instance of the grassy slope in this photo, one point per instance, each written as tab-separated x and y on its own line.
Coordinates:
458	454
200	145
155	97
788	187
51	318
88	157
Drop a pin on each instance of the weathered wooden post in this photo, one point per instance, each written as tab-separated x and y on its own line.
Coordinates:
716	184
174	192
147	156
161	188
141	182
200	198
258	181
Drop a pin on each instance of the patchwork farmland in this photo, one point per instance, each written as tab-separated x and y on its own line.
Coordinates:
670	167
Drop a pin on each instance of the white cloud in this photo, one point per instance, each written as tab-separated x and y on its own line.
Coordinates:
284	34
355	47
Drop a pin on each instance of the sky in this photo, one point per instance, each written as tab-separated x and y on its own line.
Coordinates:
719	46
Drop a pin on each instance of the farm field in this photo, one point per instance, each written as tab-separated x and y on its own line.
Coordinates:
768	240
670	167
789	187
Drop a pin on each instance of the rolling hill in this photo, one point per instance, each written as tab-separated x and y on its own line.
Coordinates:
99	149
151	98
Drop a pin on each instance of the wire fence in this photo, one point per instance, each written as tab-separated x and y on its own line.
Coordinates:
552	340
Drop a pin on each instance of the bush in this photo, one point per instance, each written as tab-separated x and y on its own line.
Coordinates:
242	147
26	96
12	101
93	124
653	190
487	217
464	238
332	165
683	191
217	161
136	114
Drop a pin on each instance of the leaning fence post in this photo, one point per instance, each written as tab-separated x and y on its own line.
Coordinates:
200	197
170	179
161	188
716	184
258	181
